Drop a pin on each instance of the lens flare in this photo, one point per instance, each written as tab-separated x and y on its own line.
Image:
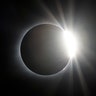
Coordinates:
71	43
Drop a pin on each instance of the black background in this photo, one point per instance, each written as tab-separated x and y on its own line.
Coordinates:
17	16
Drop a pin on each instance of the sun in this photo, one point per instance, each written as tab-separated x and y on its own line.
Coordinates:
71	43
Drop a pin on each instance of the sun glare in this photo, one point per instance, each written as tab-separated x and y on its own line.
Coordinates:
71	43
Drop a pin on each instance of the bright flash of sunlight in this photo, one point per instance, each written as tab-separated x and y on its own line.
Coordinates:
71	43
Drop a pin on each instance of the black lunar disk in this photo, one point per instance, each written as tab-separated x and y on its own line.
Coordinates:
43	50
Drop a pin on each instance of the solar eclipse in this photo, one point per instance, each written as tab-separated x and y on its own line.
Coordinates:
46	49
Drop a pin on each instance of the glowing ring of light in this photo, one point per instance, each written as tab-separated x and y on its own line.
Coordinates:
23	64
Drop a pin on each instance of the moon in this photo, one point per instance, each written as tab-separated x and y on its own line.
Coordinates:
43	49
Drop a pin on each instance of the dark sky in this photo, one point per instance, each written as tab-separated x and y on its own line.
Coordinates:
16	17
